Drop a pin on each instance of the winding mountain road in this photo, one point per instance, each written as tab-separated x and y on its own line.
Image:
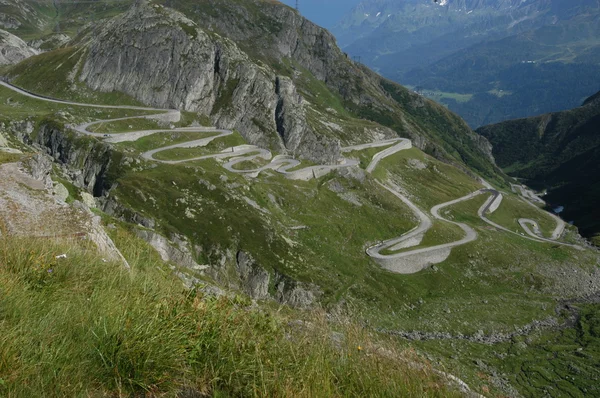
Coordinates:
404	262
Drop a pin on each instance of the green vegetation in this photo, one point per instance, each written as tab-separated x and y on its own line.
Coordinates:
430	182
124	126
514	208
49	72
159	140
137	332
448	131
213	147
440	233
251	164
44	18
225	95
365	156
141	333
6	157
548	363
14	106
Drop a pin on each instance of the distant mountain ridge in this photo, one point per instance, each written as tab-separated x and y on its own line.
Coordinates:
439	47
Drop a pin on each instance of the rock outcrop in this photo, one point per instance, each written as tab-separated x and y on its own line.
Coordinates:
296	294
12	49
87	161
175	251
254	279
164	59
50	42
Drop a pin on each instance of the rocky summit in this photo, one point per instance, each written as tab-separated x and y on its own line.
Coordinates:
210	198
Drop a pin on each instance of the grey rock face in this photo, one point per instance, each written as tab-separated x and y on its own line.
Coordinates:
292	127
60	192
40	167
13	50
9	22
111	206
296	294
88	165
20	129
254	279
163	59
176	252
16	13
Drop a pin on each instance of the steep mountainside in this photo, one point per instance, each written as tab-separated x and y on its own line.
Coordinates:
449	50
257	67
559	152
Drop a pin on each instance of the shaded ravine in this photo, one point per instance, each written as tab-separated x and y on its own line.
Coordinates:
405	262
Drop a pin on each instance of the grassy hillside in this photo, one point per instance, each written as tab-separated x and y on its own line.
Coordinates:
558	152
83	327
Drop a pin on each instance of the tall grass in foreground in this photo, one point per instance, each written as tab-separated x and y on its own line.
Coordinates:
80	326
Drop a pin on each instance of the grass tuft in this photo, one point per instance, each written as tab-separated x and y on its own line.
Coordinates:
80	326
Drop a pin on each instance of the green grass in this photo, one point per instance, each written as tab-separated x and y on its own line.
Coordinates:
435	184
331	247
82	327
19	107
440	233
6	157
123	126
213	147
251	164
549	363
366	155
513	208
159	140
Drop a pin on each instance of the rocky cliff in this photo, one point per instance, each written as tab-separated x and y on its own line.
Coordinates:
164	59
87	162
12	49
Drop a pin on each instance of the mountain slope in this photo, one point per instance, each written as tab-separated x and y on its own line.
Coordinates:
559	152
381	30
279	79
